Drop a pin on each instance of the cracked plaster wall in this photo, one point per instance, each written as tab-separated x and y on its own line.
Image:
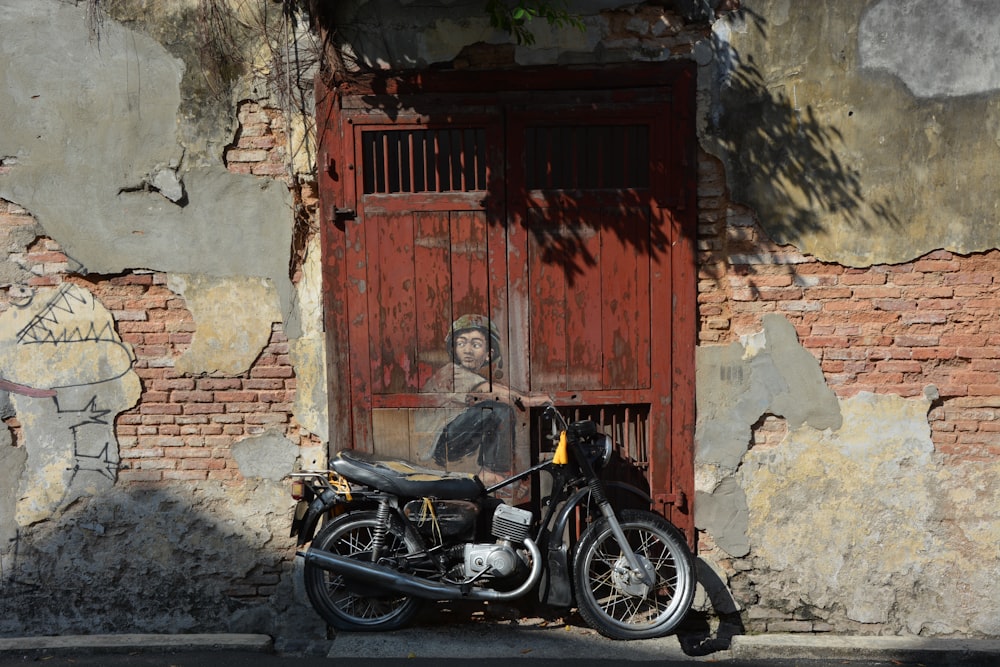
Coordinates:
102	146
92	125
852	518
117	156
867	521
114	145
857	129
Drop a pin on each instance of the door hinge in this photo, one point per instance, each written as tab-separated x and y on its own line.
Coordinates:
677	499
343	214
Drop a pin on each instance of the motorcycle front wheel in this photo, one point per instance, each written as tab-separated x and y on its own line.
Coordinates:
616	602
350	607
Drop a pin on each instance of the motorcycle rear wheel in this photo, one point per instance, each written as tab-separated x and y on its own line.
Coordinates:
347	607
614	601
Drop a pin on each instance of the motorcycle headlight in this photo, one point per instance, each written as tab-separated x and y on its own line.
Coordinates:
605	446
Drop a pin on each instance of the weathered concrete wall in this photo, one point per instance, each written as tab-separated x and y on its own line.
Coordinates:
854	519
93	150
189	559
846	126
909	538
147	211
853	143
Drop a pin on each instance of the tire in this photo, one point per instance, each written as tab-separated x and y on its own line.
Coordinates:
622	608
351	608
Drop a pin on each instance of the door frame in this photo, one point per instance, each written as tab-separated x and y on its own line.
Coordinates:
427	96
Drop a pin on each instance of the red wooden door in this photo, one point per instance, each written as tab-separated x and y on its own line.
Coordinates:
566	225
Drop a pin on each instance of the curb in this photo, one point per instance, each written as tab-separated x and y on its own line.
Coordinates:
142	643
840	647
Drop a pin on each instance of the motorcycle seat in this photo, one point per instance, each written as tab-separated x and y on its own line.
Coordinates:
403	478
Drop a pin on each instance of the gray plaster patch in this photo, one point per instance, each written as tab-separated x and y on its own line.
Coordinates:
767	373
723	514
90	124
793	379
268	456
934	57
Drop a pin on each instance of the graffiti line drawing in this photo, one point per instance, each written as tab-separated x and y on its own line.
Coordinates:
93	414
62	344
101	462
38	330
49	327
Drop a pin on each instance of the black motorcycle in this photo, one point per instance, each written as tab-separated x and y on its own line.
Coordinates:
398	534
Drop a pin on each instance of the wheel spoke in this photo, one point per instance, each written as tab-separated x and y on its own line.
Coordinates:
353	605
615	599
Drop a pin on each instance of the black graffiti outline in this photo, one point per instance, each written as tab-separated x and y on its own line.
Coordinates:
38	332
90	414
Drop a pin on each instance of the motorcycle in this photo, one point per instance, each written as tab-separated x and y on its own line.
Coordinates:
398	535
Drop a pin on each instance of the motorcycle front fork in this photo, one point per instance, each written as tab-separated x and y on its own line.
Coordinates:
630	557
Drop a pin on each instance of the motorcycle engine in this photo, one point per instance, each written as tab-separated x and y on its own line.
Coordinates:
510	526
500	559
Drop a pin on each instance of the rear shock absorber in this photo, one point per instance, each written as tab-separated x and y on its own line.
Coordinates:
382	516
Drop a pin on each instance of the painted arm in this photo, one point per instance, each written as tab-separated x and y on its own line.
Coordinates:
506	395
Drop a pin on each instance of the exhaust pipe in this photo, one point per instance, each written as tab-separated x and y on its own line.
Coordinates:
385	577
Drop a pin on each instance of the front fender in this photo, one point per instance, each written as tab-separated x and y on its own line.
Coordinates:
562	519
558	589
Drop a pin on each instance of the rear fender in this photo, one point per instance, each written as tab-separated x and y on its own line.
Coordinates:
320	505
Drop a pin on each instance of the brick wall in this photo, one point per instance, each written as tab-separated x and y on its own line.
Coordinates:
183	428
885	329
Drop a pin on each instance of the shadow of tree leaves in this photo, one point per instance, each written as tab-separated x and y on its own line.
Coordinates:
785	160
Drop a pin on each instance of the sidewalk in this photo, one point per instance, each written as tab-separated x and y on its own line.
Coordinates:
535	641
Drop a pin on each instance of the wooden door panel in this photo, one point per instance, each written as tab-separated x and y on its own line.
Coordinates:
589	310
432	250
626	303
390	303
423	270
470	284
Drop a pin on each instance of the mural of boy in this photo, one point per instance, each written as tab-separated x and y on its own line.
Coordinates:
481	438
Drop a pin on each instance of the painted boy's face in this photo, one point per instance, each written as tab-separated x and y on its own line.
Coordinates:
472	349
